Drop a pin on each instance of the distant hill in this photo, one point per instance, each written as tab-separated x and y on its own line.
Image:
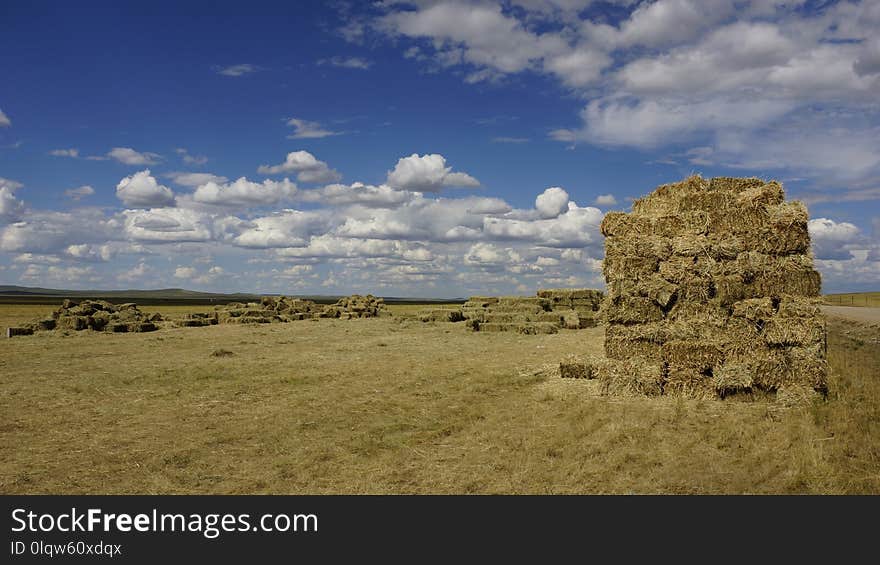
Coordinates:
36	295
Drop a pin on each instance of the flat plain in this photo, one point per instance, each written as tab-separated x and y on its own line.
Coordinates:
393	405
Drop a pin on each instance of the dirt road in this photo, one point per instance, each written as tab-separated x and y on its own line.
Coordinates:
861	314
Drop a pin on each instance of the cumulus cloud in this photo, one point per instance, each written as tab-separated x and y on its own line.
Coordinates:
427	173
128	156
551	202
356	193
833	240
288	228
73	152
10	207
86	252
184	272
194	180
307	168
79	192
167	225
243	192
141	190
4	120
53	232
606	200
304	129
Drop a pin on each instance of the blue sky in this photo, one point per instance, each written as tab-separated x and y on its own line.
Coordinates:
429	148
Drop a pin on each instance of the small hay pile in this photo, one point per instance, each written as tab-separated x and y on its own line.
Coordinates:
440	315
270	309
549	311
97	315
356	306
711	283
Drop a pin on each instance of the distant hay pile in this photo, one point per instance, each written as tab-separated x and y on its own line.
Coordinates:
545	313
711	292
357	306
269	309
97	315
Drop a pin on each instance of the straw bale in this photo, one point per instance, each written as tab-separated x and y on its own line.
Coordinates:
699	355
75	323
46	324
733	378
118	327
14	332
626	348
799	307
755	309
779	331
688	382
506	318
647	246
536	328
766	194
621	224
631	310
633	267
576	367
809	367
632	377
695	222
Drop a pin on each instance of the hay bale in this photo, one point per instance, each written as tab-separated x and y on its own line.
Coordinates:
804	332
631	310
46	324
15	332
632	377
537	328
733	378
575	367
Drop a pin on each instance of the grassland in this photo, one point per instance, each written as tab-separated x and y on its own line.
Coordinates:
391	405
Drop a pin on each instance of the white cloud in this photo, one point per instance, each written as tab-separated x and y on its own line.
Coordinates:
10	207
304	129
833	240
237	70
197	160
52	232
4	120
86	252
184	272
356	193
128	156
79	192
141	190
552	202
308	168
347	62
193	180
167	225
427	173
606	200
288	228
73	152
243	192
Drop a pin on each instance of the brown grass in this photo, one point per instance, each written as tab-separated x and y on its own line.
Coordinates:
395	406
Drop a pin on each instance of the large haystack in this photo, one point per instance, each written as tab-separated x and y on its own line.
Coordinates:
711	283
357	306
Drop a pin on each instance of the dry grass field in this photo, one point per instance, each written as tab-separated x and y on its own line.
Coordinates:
392	405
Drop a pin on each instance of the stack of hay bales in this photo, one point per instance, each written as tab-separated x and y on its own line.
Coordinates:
197	320
578	307
440	315
356	306
711	287
246	313
520	314
289	308
98	315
